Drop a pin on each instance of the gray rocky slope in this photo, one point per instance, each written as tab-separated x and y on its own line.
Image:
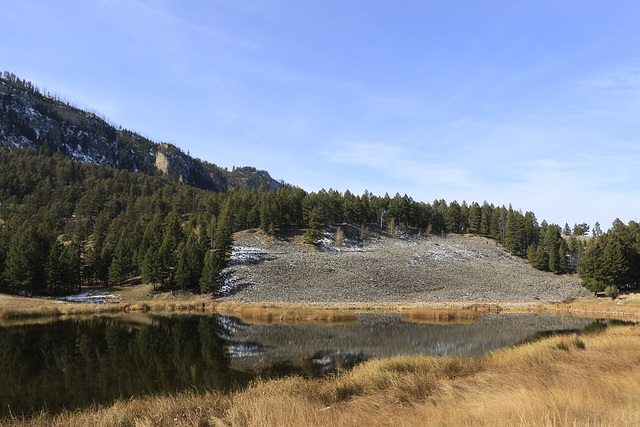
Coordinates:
385	268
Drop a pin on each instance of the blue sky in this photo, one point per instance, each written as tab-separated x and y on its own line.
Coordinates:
533	103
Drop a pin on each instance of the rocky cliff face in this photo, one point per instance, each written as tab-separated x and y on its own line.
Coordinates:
29	119
172	168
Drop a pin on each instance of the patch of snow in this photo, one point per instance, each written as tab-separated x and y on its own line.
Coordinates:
328	240
444	252
229	283
407	238
241	254
91	297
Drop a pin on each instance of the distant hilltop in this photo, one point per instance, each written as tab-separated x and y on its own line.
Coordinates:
50	125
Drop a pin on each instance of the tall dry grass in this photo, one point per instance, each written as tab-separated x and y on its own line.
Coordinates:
573	380
250	313
285	313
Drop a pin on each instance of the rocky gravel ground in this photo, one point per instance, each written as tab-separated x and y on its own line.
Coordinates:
372	265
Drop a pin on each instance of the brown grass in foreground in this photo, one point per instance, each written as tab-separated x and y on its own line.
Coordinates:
591	380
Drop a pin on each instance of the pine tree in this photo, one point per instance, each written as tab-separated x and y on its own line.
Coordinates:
485	220
535	256
315	216
616	267
554	258
498	220
475	218
438	217
122	263
556	248
26	260
464	217
580	229
452	218
150	267
55	273
592	268
531	229
71	267
597	232
514	233
223	238
210	280
190	261
152	237
167	254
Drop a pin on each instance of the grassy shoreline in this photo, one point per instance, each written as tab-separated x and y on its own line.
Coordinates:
562	380
16	308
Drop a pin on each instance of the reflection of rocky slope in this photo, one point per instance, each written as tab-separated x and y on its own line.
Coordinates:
382	268
386	335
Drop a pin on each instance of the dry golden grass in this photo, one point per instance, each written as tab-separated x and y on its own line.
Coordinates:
626	306
12	308
285	313
575	380
47	311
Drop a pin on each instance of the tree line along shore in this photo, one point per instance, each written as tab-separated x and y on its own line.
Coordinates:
67	224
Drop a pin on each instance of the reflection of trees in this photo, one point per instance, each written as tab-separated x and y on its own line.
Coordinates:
73	363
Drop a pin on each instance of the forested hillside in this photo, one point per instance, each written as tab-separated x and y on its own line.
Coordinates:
82	203
30	119
67	223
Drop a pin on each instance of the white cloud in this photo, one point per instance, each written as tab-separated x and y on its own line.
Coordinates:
625	78
399	163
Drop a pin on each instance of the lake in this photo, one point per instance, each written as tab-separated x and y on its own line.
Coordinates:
74	362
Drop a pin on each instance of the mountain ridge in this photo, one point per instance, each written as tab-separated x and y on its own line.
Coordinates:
30	119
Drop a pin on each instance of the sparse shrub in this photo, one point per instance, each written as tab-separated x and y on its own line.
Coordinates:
392	227
337	240
363	231
612	291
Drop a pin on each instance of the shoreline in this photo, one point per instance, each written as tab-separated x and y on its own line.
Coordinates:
14	307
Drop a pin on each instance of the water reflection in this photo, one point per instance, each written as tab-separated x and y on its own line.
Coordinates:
261	347
73	363
76	362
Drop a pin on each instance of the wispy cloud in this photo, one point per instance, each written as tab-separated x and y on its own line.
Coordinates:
397	162
627	78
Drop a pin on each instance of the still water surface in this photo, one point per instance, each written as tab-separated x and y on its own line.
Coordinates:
75	362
